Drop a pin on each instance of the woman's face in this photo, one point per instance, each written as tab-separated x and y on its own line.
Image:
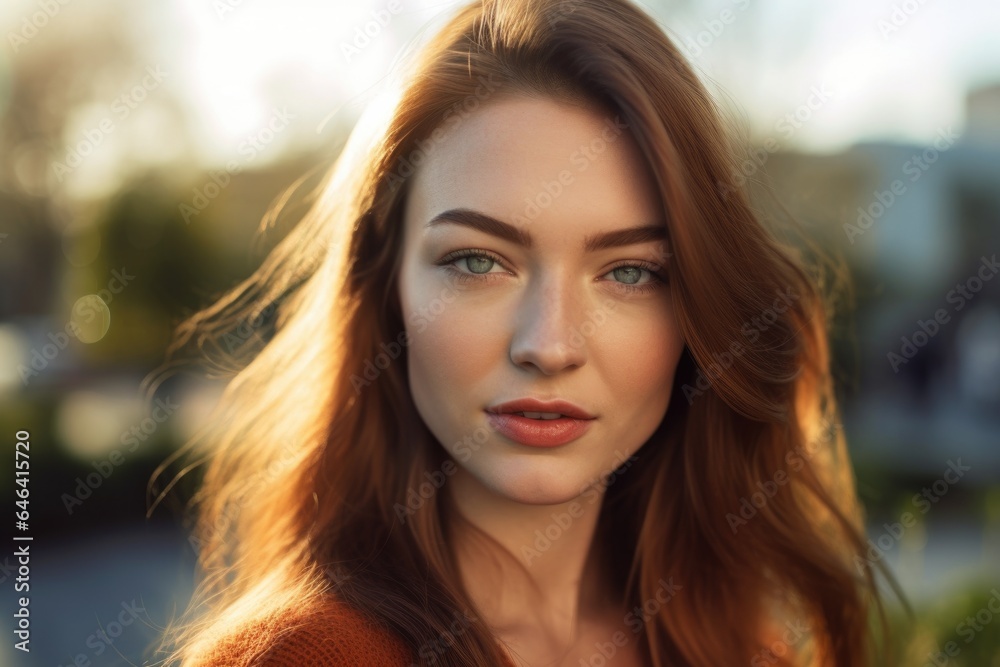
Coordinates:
581	313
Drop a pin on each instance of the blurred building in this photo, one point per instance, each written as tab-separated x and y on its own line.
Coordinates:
920	226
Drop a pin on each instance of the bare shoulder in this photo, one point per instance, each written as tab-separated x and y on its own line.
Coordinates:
330	634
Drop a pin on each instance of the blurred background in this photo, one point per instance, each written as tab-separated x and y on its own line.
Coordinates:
141	144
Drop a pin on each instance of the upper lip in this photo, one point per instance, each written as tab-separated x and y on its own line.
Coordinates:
535	405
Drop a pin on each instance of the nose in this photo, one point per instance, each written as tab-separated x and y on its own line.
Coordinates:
547	332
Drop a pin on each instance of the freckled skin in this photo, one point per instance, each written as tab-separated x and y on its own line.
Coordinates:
513	336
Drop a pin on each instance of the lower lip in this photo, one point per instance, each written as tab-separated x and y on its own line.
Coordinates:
538	432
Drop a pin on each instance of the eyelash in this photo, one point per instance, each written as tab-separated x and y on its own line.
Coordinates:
658	278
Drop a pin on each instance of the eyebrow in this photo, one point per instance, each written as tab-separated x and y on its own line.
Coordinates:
600	241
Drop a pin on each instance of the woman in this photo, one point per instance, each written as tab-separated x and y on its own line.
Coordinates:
540	388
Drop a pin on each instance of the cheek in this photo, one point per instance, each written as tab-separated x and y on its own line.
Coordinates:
452	347
640	357
638	365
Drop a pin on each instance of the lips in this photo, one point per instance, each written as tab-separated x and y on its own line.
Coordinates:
533	405
538	429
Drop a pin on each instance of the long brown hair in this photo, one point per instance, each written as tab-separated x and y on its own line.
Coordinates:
743	497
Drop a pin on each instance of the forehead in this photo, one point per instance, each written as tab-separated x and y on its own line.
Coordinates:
541	162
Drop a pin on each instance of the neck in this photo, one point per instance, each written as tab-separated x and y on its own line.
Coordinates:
561	584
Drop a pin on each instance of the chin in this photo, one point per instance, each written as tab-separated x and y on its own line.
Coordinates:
537	487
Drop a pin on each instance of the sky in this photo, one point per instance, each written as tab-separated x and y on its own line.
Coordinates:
849	71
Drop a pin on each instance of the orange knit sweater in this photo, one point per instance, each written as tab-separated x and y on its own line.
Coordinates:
336	634
333	634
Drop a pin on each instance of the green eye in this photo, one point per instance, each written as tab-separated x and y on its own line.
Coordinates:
627	276
479	263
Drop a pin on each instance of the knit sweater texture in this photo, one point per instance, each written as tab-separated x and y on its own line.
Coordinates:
335	634
332	634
